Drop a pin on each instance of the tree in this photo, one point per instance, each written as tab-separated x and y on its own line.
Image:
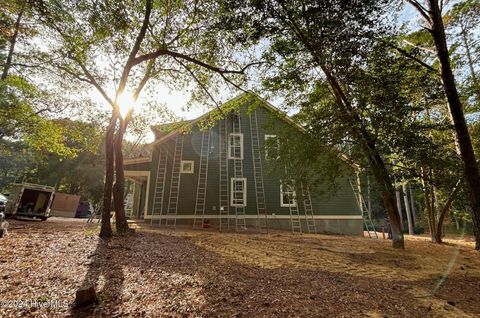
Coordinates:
80	173
27	110
316	46
173	43
461	21
431	14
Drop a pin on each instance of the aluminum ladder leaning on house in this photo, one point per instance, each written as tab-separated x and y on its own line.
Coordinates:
199	217
240	223
159	191
307	205
171	216
294	211
367	220
224	204
258	175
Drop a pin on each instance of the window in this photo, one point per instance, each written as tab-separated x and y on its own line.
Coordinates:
235	146
272	147
238	192
186	166
288	197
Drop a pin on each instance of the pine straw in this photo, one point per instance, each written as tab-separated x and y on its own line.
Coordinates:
186	273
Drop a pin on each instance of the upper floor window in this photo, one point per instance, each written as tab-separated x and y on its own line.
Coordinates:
235	146
288	197
272	147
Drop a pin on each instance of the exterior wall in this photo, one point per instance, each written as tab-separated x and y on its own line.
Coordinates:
336	213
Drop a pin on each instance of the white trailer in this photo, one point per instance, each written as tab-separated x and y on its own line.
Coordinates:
30	200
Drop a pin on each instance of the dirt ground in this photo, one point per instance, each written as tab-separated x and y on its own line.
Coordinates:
204	273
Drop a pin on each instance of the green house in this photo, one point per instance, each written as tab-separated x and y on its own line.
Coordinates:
211	172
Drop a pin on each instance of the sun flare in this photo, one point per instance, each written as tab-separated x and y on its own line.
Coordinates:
125	103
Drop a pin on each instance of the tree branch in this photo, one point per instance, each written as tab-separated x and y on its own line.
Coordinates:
199	83
92	80
432	51
137	92
145	79
410	56
421	9
8	62
163	51
136	47
75	75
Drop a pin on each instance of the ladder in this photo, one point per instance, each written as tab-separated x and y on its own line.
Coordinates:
223	172
96	212
238	173
158	194
367	220
294	213
258	175
202	180
172	210
307	205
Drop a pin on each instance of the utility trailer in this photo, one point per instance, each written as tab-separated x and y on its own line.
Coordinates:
29	200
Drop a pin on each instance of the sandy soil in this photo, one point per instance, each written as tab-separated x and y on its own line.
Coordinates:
204	273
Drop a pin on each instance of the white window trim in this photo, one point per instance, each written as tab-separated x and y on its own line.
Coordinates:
182	170
230	145
278	147
232	180
287	205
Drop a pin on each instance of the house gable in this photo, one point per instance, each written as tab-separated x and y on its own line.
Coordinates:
247	99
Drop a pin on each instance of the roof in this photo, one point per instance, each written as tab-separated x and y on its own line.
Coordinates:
168	127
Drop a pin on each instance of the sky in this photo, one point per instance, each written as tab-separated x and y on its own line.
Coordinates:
176	101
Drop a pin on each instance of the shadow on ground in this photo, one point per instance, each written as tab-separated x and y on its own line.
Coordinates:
105	273
151	274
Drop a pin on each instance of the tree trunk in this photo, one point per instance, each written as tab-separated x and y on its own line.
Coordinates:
446	208
429	204
374	158
398	198
13	41
119	187
473	74
407	209
383	178
412	203
369	206
105	229
470	164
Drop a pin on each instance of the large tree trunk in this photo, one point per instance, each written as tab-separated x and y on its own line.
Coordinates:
13	41
119	187
375	160
470	164
105	229
381	175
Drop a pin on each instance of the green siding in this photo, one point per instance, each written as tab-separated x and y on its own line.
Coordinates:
340	203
